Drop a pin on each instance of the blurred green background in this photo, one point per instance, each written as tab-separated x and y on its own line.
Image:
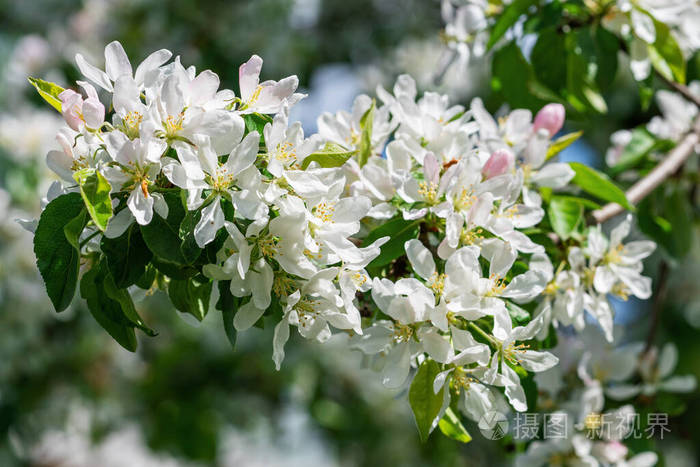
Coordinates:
71	396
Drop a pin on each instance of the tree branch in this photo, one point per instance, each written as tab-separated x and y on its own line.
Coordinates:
667	167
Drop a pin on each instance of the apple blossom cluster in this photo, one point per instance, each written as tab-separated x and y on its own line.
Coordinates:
421	229
213	184
593	371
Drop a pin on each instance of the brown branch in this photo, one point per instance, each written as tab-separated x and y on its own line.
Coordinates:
667	167
679	88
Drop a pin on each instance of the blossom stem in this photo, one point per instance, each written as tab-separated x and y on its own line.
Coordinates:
482	333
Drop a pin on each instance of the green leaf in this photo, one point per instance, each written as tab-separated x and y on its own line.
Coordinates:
508	18
57	259
548	58
191	295
256	122
127	256
673	231
565	215
451	426
641	144
107	312
49	91
190	249
519	315
581	88
162	235
332	155
424	402
666	55
122	297
94	188
228	304
561	143
399	232
366	123
598	184
514	79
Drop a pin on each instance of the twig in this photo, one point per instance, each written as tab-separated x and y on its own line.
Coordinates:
680	88
670	165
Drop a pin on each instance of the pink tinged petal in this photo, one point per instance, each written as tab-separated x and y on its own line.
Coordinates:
71	107
280	338
551	118
93	113
93	73
247	316
500	162
151	62
431	168
249	76
141	206
274	95
116	61
397	366
211	222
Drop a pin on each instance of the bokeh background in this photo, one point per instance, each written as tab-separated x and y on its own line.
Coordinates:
71	396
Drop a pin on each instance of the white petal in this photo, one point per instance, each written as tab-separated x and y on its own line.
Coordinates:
421	259
247	316
396	366
116	61
210	223
280	338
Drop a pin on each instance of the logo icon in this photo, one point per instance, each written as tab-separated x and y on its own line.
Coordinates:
493	425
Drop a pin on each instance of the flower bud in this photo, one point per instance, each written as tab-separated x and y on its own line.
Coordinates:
71	108
500	162
550	118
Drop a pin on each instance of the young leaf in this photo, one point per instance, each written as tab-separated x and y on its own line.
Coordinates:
94	188
107	312
424	402
122	297
162	235
399	232
228	304
366	123
332	155
565	215
57	259
598	184
127	256
507	19
666	55
452	427
49	91
641	143
513	78
191	295
561	143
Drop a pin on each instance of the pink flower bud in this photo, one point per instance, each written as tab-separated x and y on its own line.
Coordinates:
500	162
551	118
71	108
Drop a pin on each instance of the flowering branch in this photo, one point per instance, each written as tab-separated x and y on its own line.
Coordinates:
675	160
